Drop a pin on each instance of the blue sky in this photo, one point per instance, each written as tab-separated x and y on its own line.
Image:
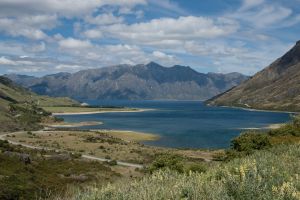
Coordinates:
50	36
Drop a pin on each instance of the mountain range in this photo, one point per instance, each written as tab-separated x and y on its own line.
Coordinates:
132	82
277	87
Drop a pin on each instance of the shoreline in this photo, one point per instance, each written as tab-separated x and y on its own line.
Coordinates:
103	111
259	110
268	127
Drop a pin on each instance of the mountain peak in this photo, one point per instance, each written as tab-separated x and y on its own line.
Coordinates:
153	64
291	58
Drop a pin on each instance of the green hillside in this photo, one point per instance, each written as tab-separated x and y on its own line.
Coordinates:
20	108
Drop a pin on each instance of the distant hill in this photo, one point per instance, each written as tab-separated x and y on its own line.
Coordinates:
20	108
151	81
277	87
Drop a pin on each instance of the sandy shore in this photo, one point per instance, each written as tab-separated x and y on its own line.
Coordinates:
104	111
274	126
72	125
271	126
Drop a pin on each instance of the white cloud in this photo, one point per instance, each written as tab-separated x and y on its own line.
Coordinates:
66	8
170	29
15	28
5	61
31	18
93	34
36	48
161	55
248	4
266	16
104	19
74	44
169	6
68	67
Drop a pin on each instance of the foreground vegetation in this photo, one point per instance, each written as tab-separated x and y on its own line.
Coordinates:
33	174
269	174
259	165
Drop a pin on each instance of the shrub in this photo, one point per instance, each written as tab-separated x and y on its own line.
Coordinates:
292	128
250	141
167	161
112	163
200	168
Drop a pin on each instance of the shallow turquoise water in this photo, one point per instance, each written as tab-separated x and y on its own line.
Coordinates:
182	124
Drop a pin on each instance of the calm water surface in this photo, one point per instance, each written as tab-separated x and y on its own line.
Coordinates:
182	124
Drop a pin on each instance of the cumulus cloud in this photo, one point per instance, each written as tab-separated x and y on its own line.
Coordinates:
66	8
74	44
6	61
93	34
168	29
105	32
16	27
30	18
104	19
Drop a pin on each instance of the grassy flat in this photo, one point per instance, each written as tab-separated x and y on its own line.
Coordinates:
112	144
130	135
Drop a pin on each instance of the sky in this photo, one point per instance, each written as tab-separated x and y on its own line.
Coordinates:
39	37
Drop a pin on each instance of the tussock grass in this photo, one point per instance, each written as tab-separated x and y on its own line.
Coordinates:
267	174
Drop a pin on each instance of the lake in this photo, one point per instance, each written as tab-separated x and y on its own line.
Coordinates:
182	124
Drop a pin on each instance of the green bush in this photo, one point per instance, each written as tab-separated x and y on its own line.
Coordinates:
167	161
249	141
292	128
200	168
112	163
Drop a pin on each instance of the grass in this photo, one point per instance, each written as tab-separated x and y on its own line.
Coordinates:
94	143
19	108
259	165
117	145
268	174
130	135
46	173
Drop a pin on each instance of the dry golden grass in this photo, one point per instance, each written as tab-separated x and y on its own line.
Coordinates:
115	145
101	144
130	135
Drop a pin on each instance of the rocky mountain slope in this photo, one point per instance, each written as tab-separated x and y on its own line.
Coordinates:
277	87
151	81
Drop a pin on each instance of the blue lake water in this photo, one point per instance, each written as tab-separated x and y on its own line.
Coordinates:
182	124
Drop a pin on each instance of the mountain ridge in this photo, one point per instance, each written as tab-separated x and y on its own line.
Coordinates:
150	81
277	87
